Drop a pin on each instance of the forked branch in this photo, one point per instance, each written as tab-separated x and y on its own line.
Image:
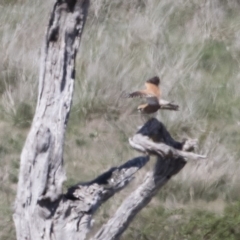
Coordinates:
152	138
164	169
74	213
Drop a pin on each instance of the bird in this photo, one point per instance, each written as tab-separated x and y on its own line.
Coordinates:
152	93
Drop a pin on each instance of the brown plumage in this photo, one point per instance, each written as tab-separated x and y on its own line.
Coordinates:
152	93
151	106
152	89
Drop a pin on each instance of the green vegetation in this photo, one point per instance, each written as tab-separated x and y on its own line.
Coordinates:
194	47
180	224
23	116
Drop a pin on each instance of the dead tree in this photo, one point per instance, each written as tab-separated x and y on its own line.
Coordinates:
42	211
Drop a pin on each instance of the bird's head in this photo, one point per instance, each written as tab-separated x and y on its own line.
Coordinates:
155	80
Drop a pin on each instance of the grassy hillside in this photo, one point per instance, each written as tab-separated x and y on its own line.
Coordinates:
194	46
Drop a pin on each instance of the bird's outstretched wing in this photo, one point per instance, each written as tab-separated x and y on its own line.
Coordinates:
141	94
151	90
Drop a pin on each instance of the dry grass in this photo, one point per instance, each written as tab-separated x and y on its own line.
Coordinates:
194	46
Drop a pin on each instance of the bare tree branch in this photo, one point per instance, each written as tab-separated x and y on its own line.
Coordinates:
153	138
164	169
73	215
109	182
146	145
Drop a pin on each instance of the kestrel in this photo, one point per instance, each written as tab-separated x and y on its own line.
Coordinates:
152	94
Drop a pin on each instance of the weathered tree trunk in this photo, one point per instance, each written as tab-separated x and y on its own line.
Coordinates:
42	211
41	171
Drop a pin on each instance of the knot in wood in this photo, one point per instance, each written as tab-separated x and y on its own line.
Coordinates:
43	139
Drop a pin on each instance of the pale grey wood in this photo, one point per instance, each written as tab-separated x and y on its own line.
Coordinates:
74	213
146	145
41	170
153	181
84	199
153	138
108	183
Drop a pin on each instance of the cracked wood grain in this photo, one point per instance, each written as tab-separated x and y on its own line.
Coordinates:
41	170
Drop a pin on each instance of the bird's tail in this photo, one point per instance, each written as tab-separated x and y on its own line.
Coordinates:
165	105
